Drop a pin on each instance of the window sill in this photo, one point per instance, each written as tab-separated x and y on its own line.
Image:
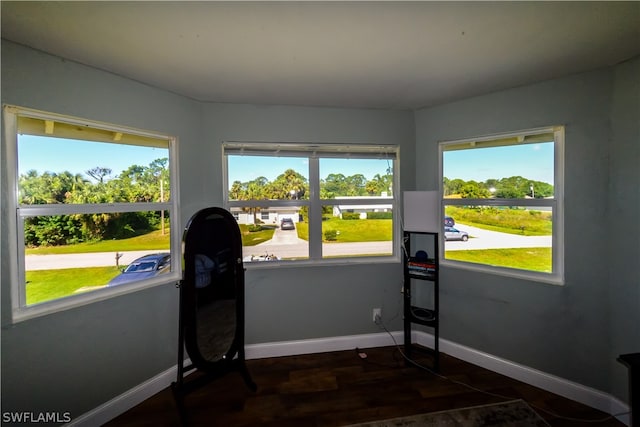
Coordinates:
532	276
324	262
20	314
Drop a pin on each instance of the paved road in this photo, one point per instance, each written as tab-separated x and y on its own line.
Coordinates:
485	239
96	259
286	244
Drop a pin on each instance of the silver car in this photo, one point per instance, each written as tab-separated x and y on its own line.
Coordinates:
451	233
287	224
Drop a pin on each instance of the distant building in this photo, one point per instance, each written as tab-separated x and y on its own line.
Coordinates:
266	215
273	215
338	210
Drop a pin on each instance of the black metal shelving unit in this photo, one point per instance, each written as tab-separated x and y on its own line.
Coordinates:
422	273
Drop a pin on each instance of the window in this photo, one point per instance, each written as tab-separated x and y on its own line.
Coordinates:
326	202
502	198
91	199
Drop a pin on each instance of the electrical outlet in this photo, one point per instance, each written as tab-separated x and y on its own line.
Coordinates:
377	313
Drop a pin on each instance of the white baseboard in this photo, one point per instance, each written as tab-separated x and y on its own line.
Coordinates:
320	345
560	386
127	400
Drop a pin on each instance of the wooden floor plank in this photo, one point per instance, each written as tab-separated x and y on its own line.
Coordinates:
339	388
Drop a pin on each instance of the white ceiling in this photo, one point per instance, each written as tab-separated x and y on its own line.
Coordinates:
400	55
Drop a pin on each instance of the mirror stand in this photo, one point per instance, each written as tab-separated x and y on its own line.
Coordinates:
211	318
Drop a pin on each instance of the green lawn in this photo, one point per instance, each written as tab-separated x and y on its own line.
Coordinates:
51	284
150	241
512	221
353	230
153	240
252	238
46	285
532	259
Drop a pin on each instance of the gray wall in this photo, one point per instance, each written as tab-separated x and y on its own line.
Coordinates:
574	331
80	358
297	303
624	206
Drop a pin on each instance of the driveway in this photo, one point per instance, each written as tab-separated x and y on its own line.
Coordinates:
286	244
283	237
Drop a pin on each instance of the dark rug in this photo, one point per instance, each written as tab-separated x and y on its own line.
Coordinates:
515	413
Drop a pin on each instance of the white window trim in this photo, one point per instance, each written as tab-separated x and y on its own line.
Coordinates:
315	151
557	275
14	213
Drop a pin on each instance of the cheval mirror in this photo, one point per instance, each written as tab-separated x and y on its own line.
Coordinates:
211	320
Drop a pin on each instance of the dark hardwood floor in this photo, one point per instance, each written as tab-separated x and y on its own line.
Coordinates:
340	388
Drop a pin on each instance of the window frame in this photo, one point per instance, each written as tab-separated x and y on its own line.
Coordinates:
314	152
556	277
15	215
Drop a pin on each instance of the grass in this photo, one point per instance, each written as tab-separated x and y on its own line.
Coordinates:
46	285
252	238
149	241
512	221
355	230
531	259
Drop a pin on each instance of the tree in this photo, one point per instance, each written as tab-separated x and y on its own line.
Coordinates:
473	190
452	187
237	190
382	183
356	185
99	173
34	189
335	183
288	185
514	187
158	168
372	188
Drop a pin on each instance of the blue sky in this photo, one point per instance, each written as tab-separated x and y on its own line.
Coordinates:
247	168
532	161
58	155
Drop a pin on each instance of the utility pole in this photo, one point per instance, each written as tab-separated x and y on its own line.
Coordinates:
161	201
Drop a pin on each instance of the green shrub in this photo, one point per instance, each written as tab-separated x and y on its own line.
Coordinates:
254	228
331	235
379	215
350	215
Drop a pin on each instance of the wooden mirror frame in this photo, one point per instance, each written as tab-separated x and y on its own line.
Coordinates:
212	234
